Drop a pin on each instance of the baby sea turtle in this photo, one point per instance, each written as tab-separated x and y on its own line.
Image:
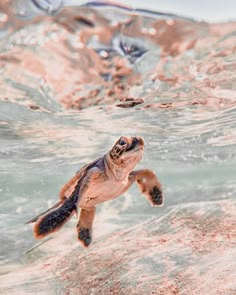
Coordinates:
102	180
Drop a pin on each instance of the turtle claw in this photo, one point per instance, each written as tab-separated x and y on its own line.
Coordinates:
84	236
156	196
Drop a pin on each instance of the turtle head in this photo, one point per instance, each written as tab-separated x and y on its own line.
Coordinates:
127	152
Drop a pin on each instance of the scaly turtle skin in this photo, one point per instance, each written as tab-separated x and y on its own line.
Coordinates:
102	180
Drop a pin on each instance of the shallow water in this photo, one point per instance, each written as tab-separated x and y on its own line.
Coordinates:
62	78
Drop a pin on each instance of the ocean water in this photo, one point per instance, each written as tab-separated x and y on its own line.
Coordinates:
71	84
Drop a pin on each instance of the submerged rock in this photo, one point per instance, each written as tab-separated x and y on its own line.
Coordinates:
190	250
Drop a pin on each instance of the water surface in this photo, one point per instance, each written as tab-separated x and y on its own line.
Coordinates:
62	78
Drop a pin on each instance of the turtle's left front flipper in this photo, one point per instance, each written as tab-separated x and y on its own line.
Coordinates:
149	185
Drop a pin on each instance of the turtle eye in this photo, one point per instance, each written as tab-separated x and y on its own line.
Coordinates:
122	142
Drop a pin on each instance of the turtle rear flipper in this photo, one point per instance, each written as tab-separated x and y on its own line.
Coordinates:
54	219
84	226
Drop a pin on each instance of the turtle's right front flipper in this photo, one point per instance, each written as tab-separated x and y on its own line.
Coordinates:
43	213
69	190
64	193
54	219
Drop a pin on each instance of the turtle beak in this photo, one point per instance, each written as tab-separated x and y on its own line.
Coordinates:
140	141
136	142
